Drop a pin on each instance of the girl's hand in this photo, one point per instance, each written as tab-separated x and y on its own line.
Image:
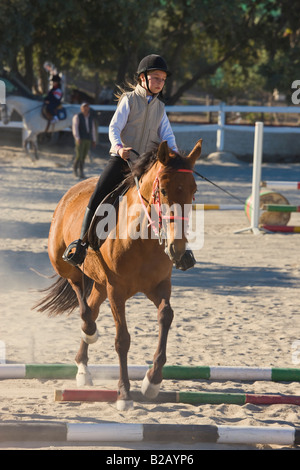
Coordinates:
124	152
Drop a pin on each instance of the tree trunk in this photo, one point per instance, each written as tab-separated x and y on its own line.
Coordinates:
208	69
29	75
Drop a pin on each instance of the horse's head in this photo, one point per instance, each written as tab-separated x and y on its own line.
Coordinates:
4	114
174	189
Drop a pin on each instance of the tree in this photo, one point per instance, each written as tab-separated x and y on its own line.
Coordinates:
201	36
32	31
198	38
282	64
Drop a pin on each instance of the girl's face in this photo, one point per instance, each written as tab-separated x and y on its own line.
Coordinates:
156	79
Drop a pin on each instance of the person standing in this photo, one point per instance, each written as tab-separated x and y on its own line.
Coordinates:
84	133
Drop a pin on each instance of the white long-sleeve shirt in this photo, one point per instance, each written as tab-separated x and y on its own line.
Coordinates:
120	119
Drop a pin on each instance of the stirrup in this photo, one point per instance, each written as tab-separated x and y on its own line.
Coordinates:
187	261
76	257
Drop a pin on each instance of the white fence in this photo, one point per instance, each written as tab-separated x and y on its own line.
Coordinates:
220	128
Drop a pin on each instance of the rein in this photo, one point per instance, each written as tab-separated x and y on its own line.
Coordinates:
219	187
32	109
205	179
157	202
151	222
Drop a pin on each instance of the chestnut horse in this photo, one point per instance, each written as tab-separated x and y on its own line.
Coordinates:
123	266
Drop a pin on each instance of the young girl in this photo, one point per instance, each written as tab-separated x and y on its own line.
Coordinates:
54	97
139	123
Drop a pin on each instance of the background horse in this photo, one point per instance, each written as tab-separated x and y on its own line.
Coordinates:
123	266
34	122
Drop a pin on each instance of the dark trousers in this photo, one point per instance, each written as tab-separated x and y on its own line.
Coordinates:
112	175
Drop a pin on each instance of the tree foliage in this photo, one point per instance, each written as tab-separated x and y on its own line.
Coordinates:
211	43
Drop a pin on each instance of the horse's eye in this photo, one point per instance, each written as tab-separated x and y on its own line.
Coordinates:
163	192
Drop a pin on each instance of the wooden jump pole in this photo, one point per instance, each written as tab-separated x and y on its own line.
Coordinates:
280	208
218	207
135	432
282	228
192	398
282	184
137	372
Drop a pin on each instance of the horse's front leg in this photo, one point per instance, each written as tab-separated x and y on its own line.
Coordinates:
153	378
34	141
31	150
27	136
35	148
122	344
27	146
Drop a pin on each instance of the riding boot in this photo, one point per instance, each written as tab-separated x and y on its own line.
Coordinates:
81	173
75	168
77	257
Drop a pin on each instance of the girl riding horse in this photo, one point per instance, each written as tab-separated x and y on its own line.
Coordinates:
140	123
53	99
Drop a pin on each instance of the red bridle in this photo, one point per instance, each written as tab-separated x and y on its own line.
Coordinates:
157	203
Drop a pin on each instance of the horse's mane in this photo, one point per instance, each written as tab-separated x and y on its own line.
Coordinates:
146	161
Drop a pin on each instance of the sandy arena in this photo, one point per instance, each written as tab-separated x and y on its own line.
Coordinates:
238	307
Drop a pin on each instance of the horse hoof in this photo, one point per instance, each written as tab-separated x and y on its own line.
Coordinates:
124	405
83	376
83	380
89	339
149	390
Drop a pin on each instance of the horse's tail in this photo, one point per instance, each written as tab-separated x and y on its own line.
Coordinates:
61	298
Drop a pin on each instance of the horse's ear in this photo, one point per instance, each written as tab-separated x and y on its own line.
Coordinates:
196	152
163	152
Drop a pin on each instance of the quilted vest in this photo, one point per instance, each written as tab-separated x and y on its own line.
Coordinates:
141	130
83	132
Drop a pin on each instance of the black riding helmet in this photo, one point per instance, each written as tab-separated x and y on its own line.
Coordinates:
152	62
56	78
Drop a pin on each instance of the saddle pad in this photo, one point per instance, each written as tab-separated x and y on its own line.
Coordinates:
61	113
95	238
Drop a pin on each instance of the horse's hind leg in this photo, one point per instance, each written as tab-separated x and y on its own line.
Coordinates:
31	139
89	334
27	146
35	148
161	298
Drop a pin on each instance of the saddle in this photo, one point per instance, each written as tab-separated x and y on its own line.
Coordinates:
61	114
45	113
98	232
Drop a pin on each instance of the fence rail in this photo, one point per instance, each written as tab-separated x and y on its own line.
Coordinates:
220	128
